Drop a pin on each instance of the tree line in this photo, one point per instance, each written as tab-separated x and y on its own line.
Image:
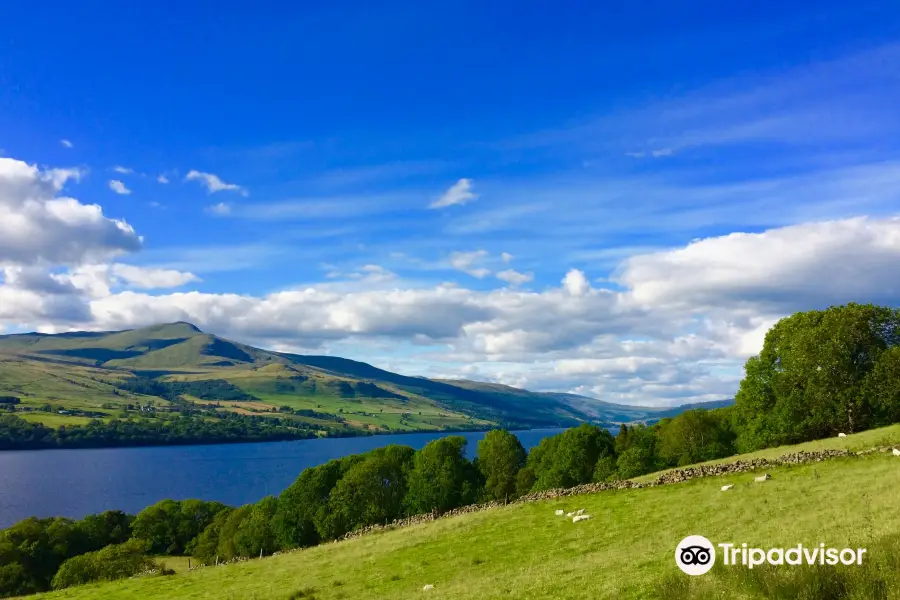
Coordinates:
18	434
819	373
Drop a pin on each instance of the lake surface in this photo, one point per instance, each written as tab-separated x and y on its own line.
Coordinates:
75	483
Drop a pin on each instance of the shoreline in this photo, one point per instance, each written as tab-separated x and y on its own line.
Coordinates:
349	435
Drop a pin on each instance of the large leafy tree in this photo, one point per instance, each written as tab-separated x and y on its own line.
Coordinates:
695	436
169	525
372	491
442	478
570	458
255	534
809	379
500	457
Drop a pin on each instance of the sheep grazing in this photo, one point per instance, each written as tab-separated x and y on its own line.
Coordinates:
560	512
571	514
427	587
842	435
725	488
580	511
762	478
577	518
896	452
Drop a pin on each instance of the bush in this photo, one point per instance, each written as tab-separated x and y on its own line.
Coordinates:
113	562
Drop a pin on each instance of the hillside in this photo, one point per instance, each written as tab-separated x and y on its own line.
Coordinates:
624	551
99	374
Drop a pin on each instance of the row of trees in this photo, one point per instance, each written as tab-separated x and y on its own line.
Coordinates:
18	434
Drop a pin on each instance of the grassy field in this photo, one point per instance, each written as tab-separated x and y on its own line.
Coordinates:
885	436
625	550
51	420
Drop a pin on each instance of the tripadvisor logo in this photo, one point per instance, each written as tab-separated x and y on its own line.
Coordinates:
696	555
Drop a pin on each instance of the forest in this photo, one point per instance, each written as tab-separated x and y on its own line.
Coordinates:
820	373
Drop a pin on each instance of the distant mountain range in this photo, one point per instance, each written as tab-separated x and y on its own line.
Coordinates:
99	372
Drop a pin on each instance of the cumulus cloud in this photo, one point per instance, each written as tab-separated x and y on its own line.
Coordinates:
782	270
467	263
459	193
162	179
513	277
506	257
65	143
123	170
41	227
119	187
576	283
213	184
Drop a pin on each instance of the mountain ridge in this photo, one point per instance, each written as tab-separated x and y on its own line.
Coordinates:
368	397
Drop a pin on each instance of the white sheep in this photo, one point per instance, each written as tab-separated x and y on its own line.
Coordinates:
762	478
842	435
577	518
725	488
579	511
896	452
427	587
560	512
570	514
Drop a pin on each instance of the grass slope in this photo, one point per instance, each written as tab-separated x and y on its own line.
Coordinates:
524	551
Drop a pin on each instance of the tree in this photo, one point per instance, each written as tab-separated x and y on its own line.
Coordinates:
500	457
569	458
807	381
169	525
524	481
881	389
113	562
255	535
372	491
694	436
442	478
303	517
640	457
227	549
205	546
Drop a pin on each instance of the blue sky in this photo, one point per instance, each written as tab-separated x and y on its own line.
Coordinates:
410	183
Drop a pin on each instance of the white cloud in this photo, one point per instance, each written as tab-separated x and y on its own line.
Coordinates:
123	170
459	193
467	263
119	187
221	209
151	278
162	179
576	283
513	277
40	227
213	183
65	143
811	264
506	257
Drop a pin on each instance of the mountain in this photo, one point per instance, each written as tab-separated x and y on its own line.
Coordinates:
102	373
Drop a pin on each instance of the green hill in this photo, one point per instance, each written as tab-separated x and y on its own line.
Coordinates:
89	372
624	551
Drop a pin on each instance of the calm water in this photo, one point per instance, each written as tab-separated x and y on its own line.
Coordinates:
75	483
